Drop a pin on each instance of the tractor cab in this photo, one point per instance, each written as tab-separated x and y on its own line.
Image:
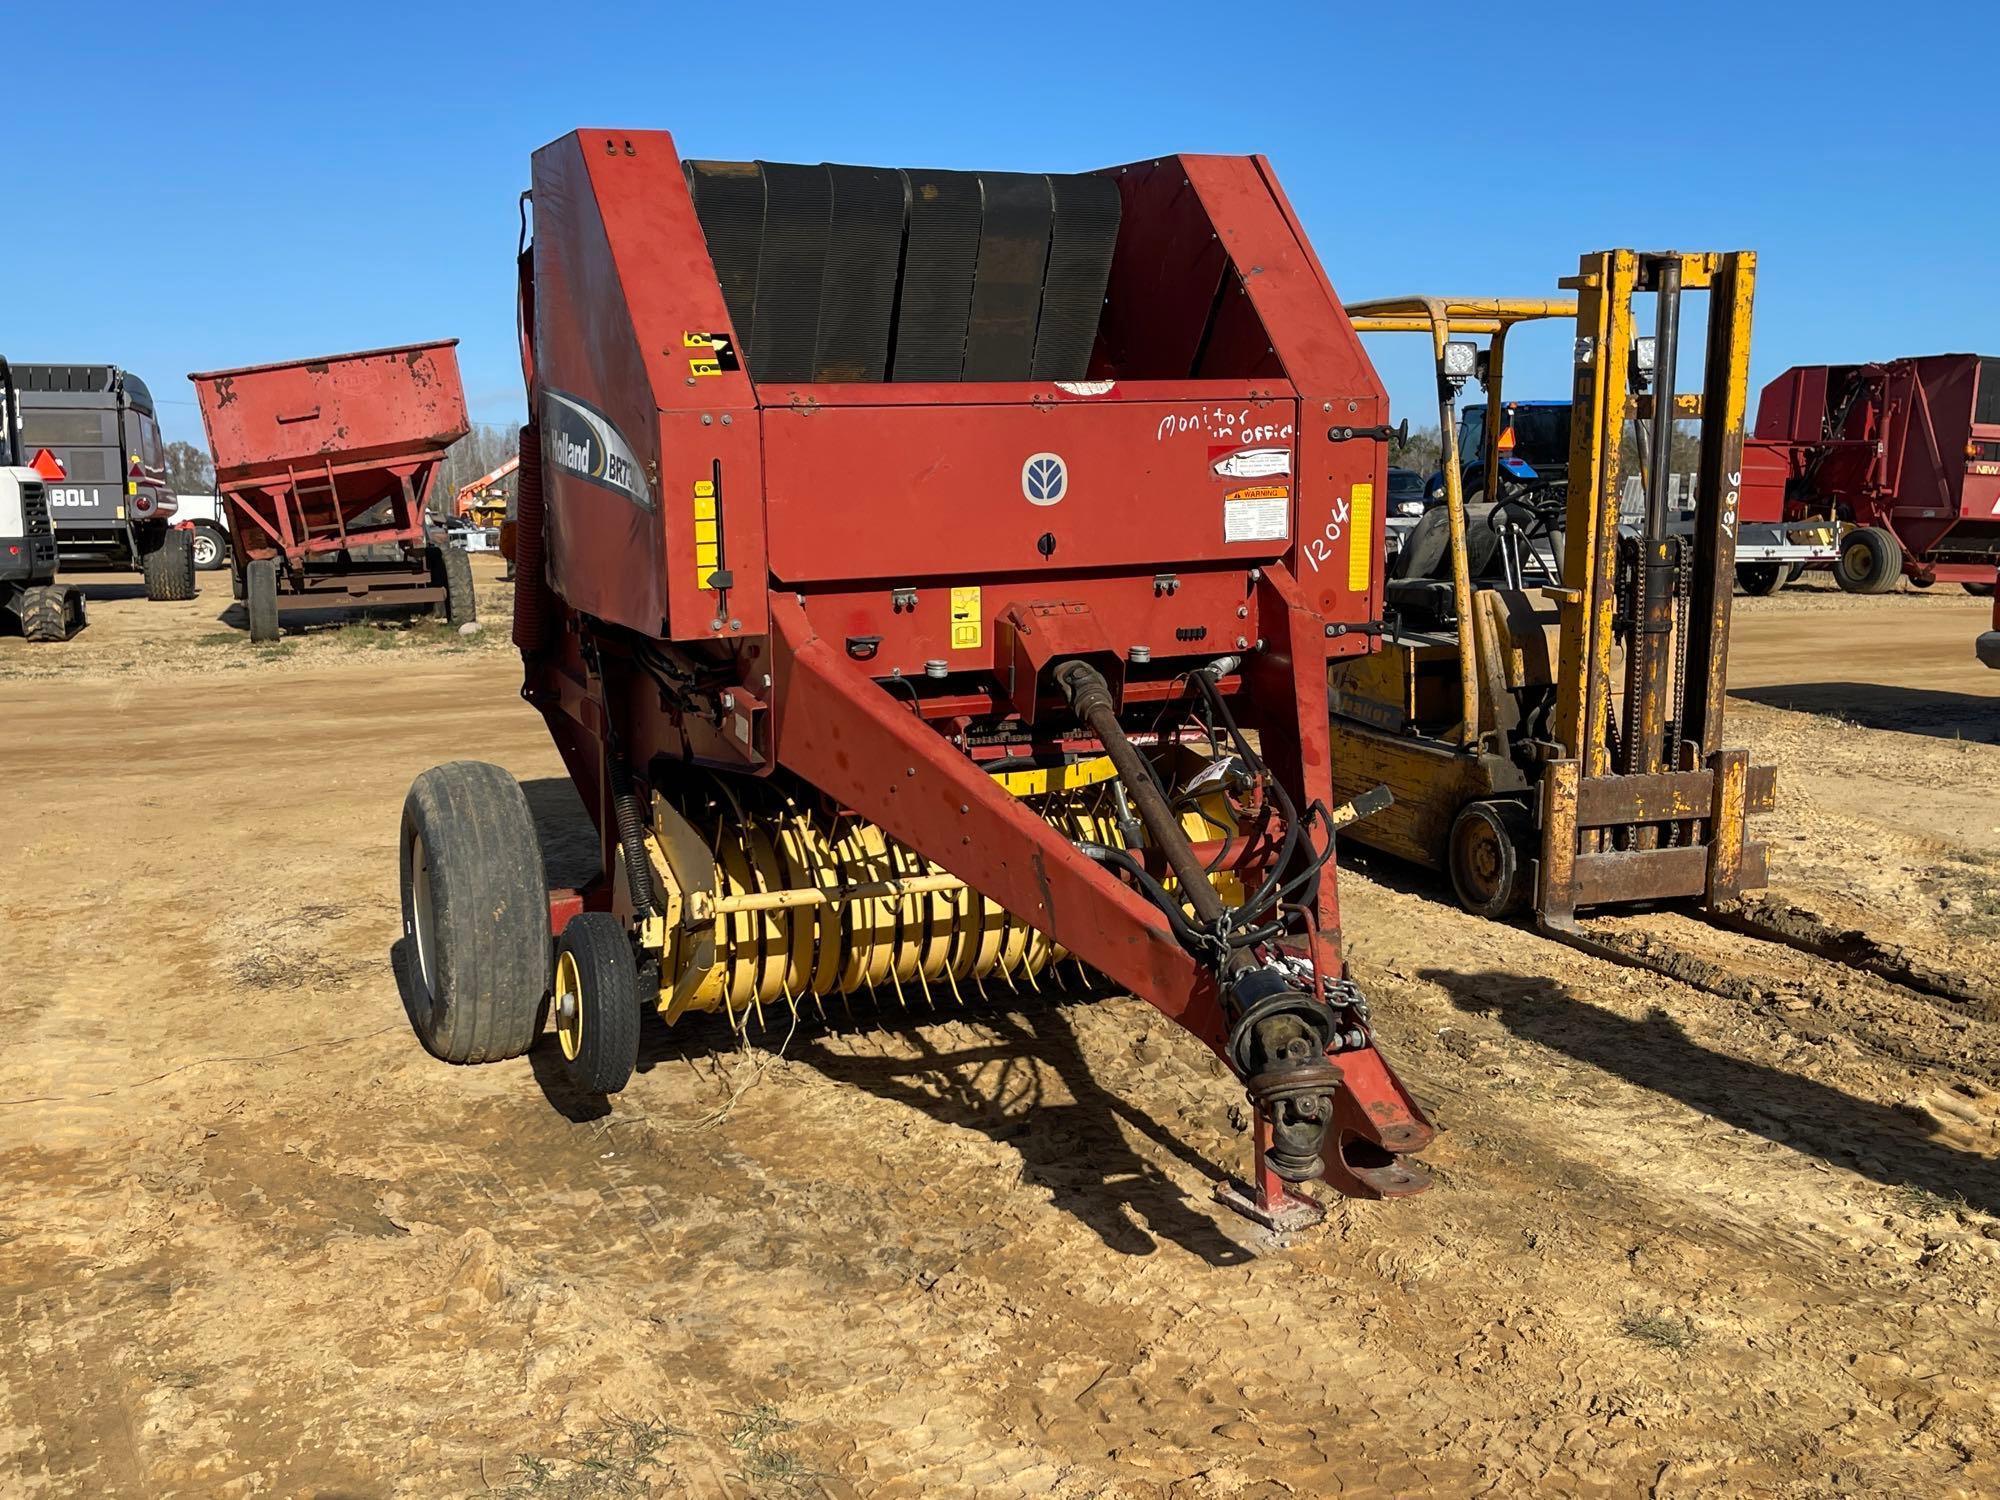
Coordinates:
1533	446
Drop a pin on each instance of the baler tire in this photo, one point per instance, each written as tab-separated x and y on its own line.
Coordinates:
260	598
1487	858
595	1001
44	614
452	567
1978	590
1871	560
169	567
1761	580
475	913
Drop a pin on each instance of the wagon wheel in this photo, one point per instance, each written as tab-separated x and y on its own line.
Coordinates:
452	569
260	598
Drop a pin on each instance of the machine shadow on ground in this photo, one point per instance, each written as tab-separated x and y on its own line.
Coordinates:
1873	1139
1872	705
1077	1150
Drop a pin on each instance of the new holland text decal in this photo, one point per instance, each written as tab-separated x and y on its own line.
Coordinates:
580	439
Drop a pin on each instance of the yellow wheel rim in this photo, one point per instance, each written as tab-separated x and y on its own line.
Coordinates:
569	1006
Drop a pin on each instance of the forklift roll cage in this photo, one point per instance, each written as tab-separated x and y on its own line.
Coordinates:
1628	789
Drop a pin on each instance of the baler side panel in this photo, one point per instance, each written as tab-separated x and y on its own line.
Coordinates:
1340	487
626	304
604	551
1167	273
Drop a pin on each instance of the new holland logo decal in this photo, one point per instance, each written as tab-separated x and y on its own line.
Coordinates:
580	440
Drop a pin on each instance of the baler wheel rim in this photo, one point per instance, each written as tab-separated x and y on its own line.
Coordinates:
567	1006
604	981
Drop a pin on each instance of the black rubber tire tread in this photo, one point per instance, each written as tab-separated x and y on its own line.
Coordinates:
1978	590
169	567
609	974
1871	560
221	547
1762	579
260	598
43	617
490	913
1517	831
452	567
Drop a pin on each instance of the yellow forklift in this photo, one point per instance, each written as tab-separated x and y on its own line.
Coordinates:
1547	707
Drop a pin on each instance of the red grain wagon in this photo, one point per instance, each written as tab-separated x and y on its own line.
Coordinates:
325	465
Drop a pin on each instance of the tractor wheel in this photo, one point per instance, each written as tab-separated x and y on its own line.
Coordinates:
475	913
1978	590
1488	858
211	548
260	598
169	567
44	613
451	567
1761	579
1871	559
595	1002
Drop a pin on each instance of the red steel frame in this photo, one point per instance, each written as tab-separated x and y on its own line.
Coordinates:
855	511
1909	458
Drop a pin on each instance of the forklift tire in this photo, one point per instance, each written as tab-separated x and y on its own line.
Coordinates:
1488	858
1871	560
260	598
1762	579
595	1003
1978	590
452	568
44	614
169	567
475	914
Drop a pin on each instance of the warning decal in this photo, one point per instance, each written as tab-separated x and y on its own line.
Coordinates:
1258	519
1253	463
968	622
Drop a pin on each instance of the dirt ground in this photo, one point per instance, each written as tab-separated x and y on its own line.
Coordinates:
255	1242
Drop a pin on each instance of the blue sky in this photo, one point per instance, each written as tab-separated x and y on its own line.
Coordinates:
224	184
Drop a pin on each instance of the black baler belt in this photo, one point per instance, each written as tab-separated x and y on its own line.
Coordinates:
784	333
1007	285
729	201
1086	232
857	303
935	300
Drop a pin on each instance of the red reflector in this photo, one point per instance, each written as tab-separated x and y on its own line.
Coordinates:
13	551
48	465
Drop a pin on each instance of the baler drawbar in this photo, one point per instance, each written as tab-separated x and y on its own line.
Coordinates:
928	577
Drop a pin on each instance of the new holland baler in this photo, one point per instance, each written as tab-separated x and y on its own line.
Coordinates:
928	577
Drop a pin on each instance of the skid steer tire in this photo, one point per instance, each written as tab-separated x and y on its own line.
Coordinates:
594	998
1488	858
44	614
1871	560
475	914
1761	579
169	567
260	599
452	569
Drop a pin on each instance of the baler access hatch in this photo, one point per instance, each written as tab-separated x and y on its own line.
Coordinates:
927	576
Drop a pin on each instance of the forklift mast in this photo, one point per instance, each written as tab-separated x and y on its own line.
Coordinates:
1646	801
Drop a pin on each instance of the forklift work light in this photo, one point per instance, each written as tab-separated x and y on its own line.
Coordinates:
1642	356
1461	359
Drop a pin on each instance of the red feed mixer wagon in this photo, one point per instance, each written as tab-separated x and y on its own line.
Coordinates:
325	465
929	577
